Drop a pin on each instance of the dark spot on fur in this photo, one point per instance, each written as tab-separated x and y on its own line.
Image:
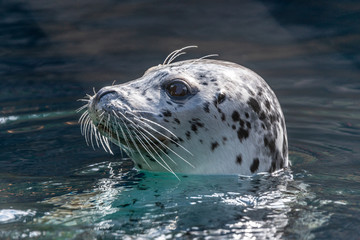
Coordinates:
254	105
272	167
166	113
284	150
275	132
246	115
273	118
239	159
181	140
241	123
221	98
168	102
188	135
266	142
139	166
224	138
204	83
223	117
177	120
282	163
149	99
194	128
143	93
213	80
242	134
201	141
197	122
206	107
165	120
263	126
271	146
267	104
235	116
248	124
255	165
214	145
233	127
262	116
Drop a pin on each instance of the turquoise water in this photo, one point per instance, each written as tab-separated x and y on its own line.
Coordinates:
53	186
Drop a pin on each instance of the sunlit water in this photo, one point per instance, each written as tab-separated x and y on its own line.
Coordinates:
54	186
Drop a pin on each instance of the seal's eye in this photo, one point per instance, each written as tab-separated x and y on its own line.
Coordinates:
177	88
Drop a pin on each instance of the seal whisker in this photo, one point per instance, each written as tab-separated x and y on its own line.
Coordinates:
169	56
87	130
150	144
136	128
95	135
91	135
149	152
134	142
141	111
118	139
102	141
89	96
170	139
175	56
86	124
168	168
173	53
83	115
83	100
100	136
207	56
81	108
143	145
164	145
122	131
106	140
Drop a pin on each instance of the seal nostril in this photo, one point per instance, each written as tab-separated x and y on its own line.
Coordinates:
102	92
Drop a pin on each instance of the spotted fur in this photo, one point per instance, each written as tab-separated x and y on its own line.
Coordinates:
231	124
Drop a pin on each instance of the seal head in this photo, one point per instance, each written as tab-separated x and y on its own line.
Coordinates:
195	117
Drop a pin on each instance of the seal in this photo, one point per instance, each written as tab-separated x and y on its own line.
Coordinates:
197	116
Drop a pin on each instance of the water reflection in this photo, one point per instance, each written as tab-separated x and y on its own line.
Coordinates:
129	203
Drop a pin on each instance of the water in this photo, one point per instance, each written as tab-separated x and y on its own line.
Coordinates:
54	186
